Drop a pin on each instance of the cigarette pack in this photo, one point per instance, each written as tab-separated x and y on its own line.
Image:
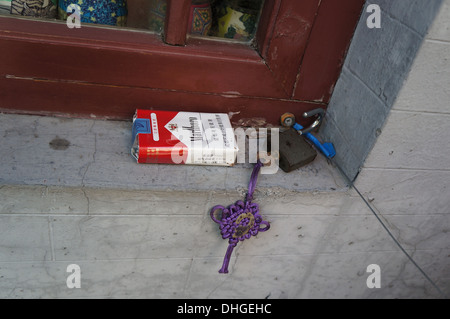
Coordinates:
169	137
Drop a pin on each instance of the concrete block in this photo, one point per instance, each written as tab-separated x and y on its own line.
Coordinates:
311	203
27	199
29	148
123	237
440	29
358	113
154	278
290	235
382	58
406	192
345	156
24	238
421	232
425	149
138	202
345	276
276	202
364	233
427	89
30	280
276	277
351	234
95	154
416	14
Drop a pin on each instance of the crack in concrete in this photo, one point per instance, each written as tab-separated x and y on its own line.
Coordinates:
218	286
88	208
88	165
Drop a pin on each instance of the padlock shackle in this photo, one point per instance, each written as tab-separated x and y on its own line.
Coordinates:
320	114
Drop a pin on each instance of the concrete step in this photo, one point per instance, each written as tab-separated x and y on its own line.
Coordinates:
55	151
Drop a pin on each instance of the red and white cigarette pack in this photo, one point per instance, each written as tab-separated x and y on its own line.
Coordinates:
168	137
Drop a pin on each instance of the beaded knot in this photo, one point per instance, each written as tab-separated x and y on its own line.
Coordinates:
240	221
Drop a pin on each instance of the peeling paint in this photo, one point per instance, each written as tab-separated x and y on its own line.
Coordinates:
320	100
231	114
331	89
252	122
274	53
292	27
232	93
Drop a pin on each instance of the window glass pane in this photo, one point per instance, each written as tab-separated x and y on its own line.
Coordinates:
147	14
107	12
35	8
227	19
237	19
5	6
140	14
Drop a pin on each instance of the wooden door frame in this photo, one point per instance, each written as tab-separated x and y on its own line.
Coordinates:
45	67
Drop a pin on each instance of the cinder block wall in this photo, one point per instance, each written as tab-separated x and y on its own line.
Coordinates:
374	71
160	244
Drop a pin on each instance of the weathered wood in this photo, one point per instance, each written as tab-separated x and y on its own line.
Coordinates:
210	75
327	48
176	23
26	96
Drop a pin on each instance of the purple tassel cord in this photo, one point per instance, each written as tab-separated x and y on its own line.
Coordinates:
241	220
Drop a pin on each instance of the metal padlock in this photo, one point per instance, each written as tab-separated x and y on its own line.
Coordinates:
288	120
295	151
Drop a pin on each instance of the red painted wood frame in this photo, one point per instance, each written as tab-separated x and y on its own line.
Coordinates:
47	68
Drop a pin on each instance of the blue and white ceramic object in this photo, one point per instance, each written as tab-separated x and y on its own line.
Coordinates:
109	12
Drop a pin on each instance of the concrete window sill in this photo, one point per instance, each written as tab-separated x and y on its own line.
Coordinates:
96	153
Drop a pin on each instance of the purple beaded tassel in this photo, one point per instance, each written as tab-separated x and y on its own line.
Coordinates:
226	260
241	220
